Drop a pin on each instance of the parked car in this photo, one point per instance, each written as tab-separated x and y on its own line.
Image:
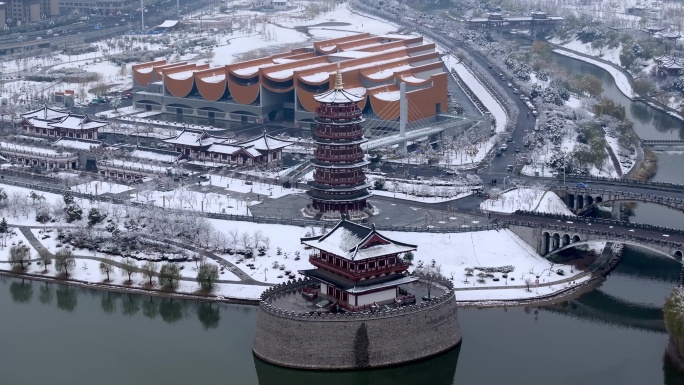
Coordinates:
509	85
581	185
509	139
498	153
516	91
535	113
509	168
504	147
517	149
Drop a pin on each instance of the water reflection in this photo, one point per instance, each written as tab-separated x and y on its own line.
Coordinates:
209	315
67	298
21	291
439	370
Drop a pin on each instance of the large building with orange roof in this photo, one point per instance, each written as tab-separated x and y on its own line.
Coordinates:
282	86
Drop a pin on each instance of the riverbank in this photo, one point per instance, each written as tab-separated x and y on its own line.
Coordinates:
559	291
647	168
622	78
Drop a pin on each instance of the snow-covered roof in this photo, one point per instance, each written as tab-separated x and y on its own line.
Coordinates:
356	242
40	123
382	74
214	78
264	143
353	54
46	113
181	75
388	96
156	154
13	147
192	138
168	24
79	144
78	122
286	73
223	148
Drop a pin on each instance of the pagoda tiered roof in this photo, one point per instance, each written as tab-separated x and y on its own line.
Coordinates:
356	242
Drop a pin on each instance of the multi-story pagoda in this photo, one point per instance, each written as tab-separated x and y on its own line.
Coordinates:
339	183
359	268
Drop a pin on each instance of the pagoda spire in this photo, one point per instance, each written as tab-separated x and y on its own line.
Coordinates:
338	79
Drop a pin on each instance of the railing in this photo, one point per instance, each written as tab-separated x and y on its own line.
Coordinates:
346	158
339	181
339	135
318	262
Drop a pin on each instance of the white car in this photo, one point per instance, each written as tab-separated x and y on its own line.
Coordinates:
504	147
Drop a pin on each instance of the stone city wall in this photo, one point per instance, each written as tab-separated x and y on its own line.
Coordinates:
349	341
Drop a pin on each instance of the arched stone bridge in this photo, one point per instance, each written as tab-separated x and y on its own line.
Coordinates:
582	199
549	235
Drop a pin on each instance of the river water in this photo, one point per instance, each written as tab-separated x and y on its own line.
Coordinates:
62	335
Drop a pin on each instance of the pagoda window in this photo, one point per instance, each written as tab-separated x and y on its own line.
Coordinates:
371	265
392	260
362	266
344	264
381	262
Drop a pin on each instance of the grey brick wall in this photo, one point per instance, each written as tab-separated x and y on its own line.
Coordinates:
335	342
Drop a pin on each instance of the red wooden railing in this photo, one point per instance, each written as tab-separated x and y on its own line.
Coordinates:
354	275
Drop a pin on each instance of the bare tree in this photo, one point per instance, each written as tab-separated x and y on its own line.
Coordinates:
129	268
106	267
149	270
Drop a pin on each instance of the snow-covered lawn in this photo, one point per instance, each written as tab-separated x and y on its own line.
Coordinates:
92	272
99	188
518	294
241	186
15	238
527	199
620	78
186	199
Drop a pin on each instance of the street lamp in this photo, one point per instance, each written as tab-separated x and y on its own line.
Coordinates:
565	157
504	184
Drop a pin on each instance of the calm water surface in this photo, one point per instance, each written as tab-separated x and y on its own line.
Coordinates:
60	335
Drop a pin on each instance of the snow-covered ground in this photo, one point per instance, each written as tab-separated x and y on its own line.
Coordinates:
99	188
620	78
285	255
527	199
478	89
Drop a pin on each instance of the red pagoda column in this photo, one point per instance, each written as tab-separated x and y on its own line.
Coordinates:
339	181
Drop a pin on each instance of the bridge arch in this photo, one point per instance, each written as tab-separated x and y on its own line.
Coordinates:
546	240
565	240
555	241
576	238
677	255
571	200
589	200
580	201
599	199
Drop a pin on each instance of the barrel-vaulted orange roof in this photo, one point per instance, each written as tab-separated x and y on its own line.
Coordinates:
372	67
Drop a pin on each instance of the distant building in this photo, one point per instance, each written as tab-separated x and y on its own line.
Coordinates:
99	7
55	123
279	4
45	158
3	15
66	98
199	144
669	65
282	86
19	12
537	19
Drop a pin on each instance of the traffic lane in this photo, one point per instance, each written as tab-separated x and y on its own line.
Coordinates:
586	223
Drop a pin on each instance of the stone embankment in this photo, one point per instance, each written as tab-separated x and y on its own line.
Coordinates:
340	341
